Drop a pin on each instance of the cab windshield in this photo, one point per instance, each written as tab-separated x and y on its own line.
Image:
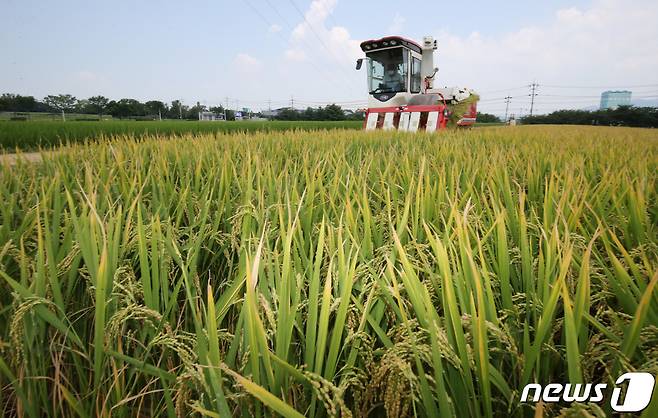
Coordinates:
387	71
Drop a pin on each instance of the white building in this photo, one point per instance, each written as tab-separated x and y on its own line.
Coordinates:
211	116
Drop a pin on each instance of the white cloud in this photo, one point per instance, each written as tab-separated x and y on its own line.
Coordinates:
333	43
314	17
397	25
88	76
613	42
608	43
295	54
246	63
89	83
329	51
275	28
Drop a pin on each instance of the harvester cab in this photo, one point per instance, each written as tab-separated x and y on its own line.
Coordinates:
401	92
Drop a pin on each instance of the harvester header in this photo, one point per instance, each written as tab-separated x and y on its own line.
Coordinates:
401	93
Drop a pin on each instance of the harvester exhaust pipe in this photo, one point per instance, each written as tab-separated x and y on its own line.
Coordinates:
427	65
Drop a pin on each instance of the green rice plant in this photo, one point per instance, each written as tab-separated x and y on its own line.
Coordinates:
327	273
44	134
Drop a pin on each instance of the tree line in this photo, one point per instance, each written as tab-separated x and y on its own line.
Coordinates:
100	105
329	112
487	118
643	117
134	109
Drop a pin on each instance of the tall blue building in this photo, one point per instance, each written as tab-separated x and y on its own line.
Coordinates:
613	99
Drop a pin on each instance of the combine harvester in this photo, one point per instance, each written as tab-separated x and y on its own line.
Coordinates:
400	85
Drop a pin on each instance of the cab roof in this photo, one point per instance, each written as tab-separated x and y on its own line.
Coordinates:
389	41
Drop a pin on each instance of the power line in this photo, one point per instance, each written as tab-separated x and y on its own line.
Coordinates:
334	101
290	27
600	87
504	90
495	99
593	97
528	102
322	43
276	10
287	43
311	28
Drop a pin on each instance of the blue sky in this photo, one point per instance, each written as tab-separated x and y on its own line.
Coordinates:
263	52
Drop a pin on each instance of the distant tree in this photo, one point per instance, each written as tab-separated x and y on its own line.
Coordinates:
310	114
193	112
61	102
288	114
357	115
125	108
82	106
487	118
333	112
156	107
17	103
646	117
98	105
177	110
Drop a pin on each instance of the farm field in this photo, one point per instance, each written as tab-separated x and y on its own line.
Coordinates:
327	273
31	135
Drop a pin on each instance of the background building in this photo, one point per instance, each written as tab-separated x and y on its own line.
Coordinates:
211	116
612	99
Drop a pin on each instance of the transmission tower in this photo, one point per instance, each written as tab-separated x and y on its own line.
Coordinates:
533	93
507	100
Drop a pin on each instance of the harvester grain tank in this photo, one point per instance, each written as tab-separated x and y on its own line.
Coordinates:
401	89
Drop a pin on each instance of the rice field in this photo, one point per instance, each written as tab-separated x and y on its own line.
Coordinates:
33	135
328	273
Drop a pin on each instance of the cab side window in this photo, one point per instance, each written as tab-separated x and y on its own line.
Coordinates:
415	75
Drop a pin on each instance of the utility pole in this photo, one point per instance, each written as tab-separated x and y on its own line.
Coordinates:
292	103
507	100
226	107
180	109
269	104
533	86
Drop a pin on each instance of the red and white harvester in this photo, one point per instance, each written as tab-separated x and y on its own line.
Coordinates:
401	93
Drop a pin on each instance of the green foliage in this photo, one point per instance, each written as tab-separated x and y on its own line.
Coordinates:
97	105
46	134
18	103
487	118
332	112
61	102
643	117
327	273
125	108
153	109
